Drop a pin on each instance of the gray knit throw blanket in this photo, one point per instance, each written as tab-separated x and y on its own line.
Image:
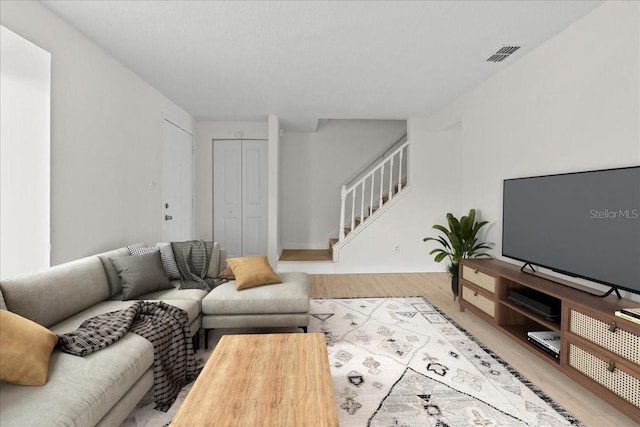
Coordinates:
192	258
164	325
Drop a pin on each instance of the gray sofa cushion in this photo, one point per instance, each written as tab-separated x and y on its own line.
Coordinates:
119	413
290	296
51	295
223	321
80	390
173	294
141	274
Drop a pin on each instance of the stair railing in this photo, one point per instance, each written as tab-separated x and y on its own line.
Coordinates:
389	171
376	160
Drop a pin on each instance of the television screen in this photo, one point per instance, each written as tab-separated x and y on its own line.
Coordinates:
584	224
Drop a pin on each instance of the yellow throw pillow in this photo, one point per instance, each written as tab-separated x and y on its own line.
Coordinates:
25	350
252	271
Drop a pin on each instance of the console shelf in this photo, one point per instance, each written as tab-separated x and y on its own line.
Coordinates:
598	349
544	323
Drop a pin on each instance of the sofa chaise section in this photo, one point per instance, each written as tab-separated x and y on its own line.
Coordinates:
284	304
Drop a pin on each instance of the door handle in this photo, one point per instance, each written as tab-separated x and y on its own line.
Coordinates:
168	217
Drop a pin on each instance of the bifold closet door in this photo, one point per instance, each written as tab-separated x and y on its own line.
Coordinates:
240	196
254	197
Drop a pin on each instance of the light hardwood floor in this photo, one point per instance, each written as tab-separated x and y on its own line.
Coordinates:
435	287
306	255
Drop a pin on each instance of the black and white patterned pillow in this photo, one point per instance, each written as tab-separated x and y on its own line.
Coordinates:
137	250
169	261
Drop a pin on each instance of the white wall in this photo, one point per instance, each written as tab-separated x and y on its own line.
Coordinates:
25	93
274	220
314	167
578	110
572	104
435	188
105	140
206	132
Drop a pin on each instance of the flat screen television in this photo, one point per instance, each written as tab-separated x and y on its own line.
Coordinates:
584	224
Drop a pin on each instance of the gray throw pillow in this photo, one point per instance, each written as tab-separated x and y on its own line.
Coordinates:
141	274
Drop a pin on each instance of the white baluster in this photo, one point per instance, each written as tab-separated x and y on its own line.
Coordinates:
381	184
343	197
390	178
400	171
353	209
362	202
373	181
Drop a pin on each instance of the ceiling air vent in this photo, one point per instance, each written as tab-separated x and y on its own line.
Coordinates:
502	53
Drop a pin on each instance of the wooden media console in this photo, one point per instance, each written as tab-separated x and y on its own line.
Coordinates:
598	349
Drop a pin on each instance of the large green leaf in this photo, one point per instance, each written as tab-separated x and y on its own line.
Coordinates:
440	257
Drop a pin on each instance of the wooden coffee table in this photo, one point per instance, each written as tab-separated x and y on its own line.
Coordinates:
263	380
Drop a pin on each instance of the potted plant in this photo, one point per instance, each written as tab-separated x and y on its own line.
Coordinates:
460	241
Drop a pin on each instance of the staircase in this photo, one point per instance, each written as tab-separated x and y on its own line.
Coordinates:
373	189
368	193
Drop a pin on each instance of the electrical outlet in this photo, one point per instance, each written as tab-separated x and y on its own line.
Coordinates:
396	249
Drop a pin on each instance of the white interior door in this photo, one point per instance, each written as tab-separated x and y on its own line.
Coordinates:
240	196
177	183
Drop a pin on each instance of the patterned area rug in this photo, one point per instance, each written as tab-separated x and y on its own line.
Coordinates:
401	362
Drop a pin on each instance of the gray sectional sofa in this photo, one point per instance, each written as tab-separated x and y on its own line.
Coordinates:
102	388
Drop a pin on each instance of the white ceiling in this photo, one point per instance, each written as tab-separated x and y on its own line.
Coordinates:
311	60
